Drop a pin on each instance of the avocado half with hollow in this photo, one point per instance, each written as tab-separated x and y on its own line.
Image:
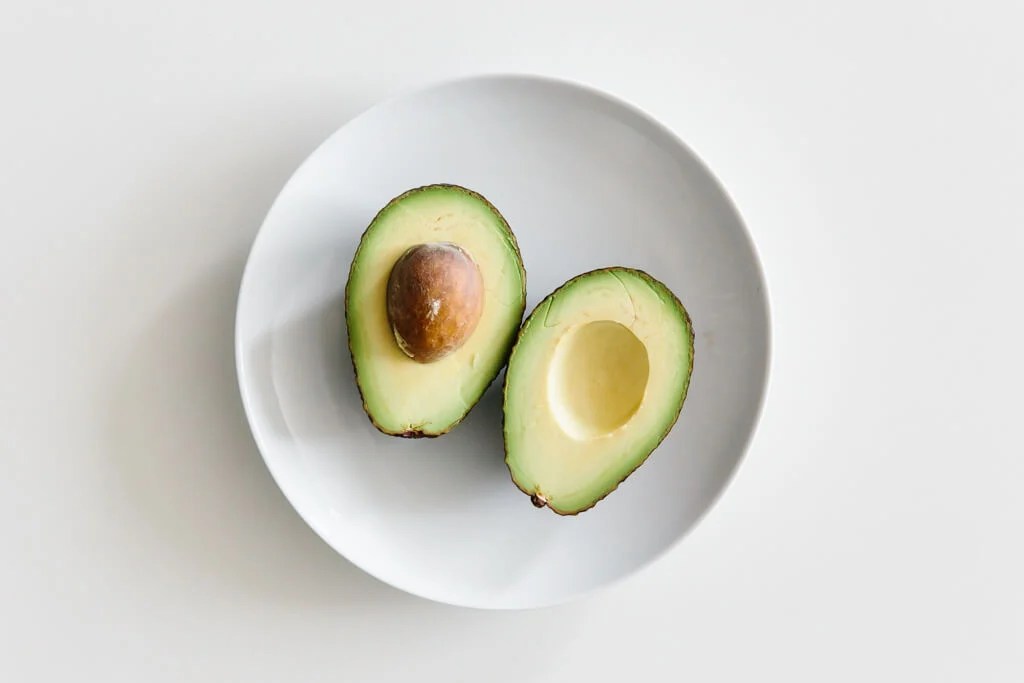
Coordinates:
434	297
596	380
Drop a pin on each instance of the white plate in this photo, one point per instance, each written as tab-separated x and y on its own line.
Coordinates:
585	181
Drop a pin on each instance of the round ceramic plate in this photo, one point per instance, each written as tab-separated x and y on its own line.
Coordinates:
585	181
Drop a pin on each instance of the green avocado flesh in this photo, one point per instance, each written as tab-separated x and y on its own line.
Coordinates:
403	397
595	382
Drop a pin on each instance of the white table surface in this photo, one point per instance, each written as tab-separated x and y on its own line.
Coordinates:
875	531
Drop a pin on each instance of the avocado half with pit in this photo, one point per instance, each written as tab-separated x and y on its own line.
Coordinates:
596	380
434	297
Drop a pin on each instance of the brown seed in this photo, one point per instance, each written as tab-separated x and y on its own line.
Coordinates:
434	299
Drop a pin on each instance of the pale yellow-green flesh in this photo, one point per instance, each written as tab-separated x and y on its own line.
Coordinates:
596	380
400	394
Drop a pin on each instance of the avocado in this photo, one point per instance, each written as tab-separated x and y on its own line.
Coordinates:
435	294
596	380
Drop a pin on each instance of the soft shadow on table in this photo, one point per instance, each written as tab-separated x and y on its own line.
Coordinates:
190	465
185	464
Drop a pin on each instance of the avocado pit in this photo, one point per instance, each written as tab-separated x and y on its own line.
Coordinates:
435	297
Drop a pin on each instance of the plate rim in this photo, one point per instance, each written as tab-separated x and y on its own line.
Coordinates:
648	119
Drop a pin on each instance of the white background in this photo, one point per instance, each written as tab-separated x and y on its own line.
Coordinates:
875	530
